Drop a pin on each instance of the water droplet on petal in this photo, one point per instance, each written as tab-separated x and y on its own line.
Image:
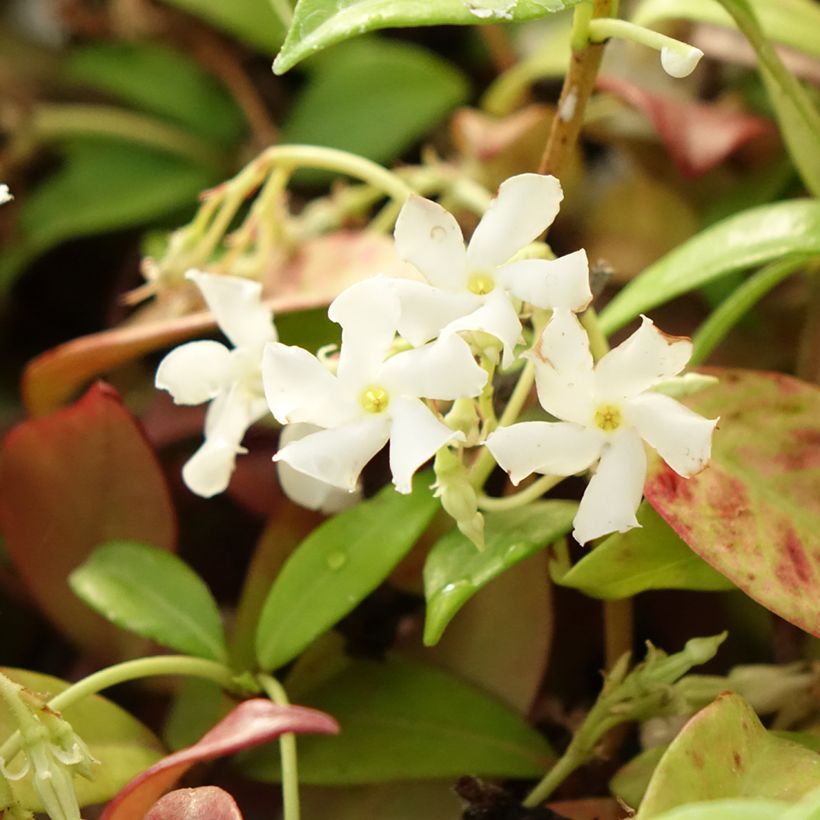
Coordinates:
680	62
336	560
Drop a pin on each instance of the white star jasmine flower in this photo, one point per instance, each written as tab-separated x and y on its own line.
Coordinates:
470	288
606	411
373	397
230	379
5	194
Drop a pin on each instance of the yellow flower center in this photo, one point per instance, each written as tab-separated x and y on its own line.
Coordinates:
480	283
608	418
374	399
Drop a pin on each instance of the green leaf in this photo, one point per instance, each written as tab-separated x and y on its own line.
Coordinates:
160	80
791	22
122	744
748	239
375	99
102	185
652	557
754	512
724	751
455	570
318	24
796	111
153	593
252	21
405	721
337	566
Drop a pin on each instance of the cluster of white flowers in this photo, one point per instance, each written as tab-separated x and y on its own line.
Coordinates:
405	357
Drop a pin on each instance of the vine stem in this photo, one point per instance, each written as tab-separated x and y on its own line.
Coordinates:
287	748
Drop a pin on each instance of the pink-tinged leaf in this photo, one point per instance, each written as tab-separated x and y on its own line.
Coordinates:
68	483
203	803
252	723
754	512
698	136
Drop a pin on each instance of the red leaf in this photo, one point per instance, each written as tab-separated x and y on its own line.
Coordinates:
251	723
69	482
204	803
754	512
697	136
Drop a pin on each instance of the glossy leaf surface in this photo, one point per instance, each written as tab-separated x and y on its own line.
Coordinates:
153	593
318	24
652	557
336	566
69	482
456	570
121	743
745	240
754	512
724	751
250	724
433	725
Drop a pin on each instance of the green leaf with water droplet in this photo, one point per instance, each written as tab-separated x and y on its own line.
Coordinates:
403	720
153	593
318	24
653	556
337	566
455	570
724	752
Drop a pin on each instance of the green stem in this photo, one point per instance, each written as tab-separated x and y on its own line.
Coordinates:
598	343
52	121
287	749
603	29
521	498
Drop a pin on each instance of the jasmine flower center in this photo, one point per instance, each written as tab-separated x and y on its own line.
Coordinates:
480	283
608	418
374	399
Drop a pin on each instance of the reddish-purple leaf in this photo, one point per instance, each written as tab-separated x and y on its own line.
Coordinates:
754	513
68	483
204	803
251	723
698	136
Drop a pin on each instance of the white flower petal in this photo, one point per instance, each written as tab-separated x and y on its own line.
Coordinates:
338	456
614	492
647	357
430	239
298	387
236	304
682	438
305	490
444	369
208	472
561	283
368	313
497	317
563	369
5	194
425	309
550	448
232	412
524	207
195	372
415	437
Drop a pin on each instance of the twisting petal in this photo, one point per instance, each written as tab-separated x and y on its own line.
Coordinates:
338	456
497	317
551	448
195	372
614	492
425	309
208	471
232	412
236	304
444	369
563	369
429	238
368	313
647	357
305	490
682	438
298	387
558	283
415	437
524	207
